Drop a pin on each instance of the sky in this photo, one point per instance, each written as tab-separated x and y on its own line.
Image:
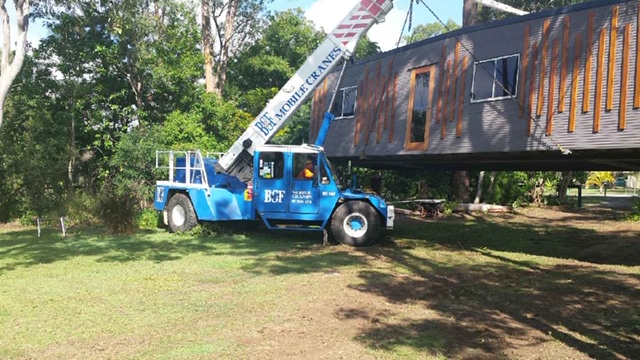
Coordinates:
327	14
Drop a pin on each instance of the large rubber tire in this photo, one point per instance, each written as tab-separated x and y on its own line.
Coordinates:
356	223
182	216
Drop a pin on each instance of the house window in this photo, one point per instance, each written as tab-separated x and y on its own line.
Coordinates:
271	165
345	103
420	98
495	79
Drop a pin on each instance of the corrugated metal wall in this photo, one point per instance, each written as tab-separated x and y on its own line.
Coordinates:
458	126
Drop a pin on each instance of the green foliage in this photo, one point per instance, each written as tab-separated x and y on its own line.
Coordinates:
118	208
599	178
634	215
149	219
254	101
508	188
268	63
366	48
212	125
296	131
425	31
402	185
33	149
133	163
81	208
449	207
129	187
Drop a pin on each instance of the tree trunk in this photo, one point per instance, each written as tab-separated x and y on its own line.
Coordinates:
470	13
207	46
564	185
479	192
461	186
72	145
537	192
225	40
492	181
10	69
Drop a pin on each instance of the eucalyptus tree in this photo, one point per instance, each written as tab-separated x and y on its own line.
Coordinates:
425	31
226	26
119	65
11	62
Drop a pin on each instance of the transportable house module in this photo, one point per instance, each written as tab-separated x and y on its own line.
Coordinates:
554	90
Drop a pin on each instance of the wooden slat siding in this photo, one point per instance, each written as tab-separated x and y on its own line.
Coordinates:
574	83
532	86
382	105
363	103
387	95
366	131
393	107
597	107
523	75
636	94
586	89
441	80
613	41
543	66
443	129
552	86
624	82
375	101
454	74
463	83
447	92
359	109
565	64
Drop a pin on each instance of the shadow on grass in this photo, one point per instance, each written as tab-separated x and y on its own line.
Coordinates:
22	248
482	309
539	237
485	310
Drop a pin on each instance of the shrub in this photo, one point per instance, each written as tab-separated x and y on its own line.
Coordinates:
118	208
635	211
149	219
81	209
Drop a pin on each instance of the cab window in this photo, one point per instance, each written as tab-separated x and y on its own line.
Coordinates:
304	166
271	165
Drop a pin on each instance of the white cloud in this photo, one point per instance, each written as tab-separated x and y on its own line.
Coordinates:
327	14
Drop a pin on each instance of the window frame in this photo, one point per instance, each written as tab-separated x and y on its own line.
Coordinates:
355	103
281	168
408	145
493	91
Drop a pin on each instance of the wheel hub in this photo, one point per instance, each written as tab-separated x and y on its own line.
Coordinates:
178	215
355	225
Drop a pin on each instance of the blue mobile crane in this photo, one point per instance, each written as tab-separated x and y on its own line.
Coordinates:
290	187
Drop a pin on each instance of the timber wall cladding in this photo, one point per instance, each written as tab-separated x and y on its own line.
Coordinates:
599	85
571	87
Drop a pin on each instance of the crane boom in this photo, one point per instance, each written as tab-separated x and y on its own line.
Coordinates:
340	43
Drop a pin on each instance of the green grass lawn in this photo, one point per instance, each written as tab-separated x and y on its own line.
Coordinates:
483	286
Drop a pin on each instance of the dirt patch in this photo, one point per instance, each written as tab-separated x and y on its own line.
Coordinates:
443	299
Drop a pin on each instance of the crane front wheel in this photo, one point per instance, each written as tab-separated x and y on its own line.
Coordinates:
181	215
356	223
